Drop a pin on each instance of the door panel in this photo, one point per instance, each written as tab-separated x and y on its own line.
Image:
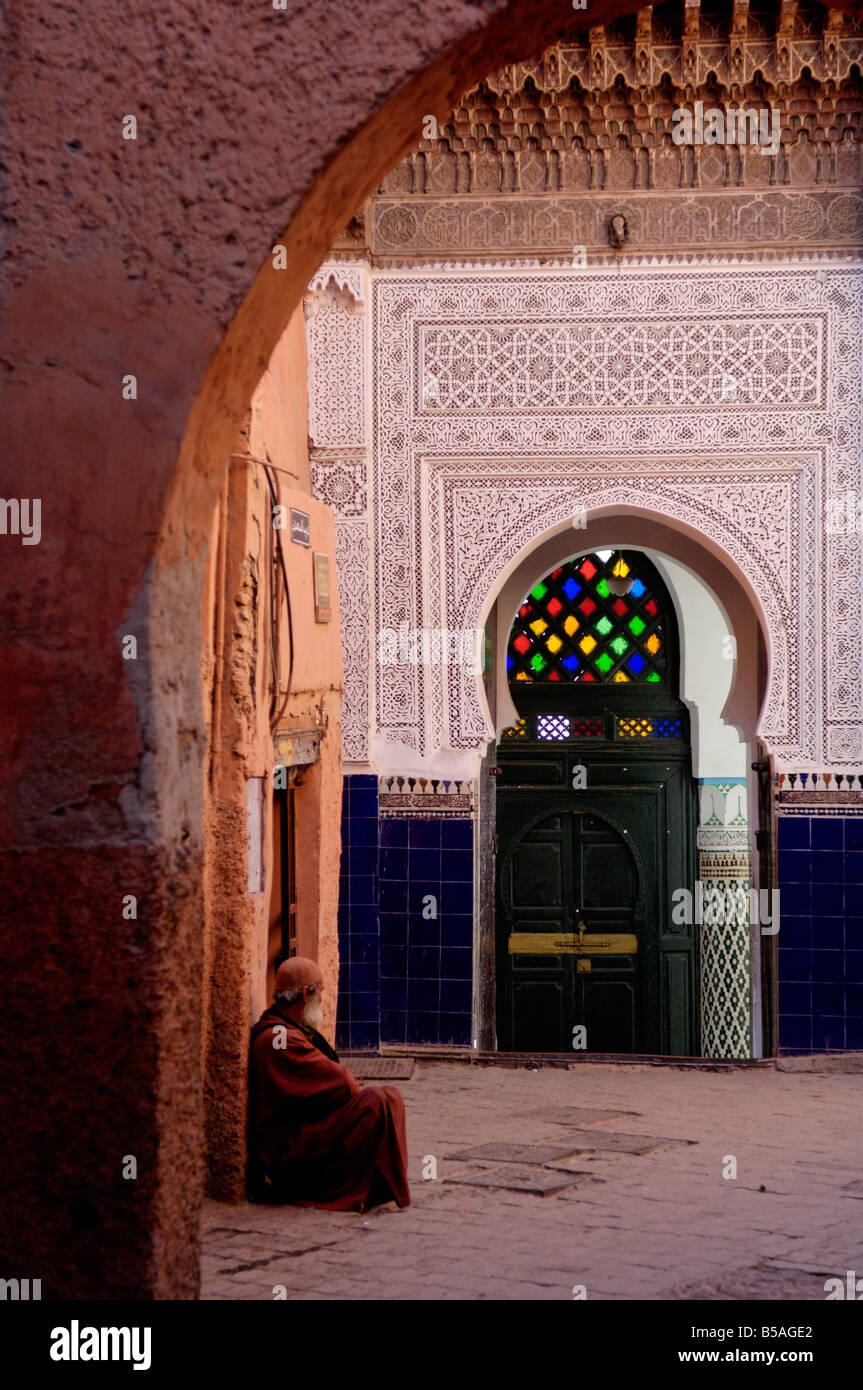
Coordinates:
600	864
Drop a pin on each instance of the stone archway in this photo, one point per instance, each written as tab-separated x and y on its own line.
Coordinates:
142	266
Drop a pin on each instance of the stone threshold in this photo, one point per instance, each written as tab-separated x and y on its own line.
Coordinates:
564	1060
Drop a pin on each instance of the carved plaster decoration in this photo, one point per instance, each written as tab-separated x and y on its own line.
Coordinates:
337	340
733	439
528	160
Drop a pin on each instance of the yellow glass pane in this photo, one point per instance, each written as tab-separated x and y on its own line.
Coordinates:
621	569
653	643
571	625
538	627
554	644
587	644
620	676
522	676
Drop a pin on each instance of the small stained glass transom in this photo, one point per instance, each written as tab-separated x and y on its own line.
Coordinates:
552	727
649	728
572	627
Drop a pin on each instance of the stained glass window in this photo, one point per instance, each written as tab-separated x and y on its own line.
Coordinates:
572	627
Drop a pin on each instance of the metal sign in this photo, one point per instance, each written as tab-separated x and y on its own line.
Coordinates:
323	610
301	527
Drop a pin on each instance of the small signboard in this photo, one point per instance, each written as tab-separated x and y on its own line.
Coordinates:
301	530
323	610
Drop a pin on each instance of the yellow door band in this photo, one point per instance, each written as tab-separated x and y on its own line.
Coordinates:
528	943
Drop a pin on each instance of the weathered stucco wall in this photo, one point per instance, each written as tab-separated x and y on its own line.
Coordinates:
244	630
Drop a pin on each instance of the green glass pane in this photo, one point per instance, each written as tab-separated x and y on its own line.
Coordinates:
619	645
539	591
653	676
604	626
604	662
636	625
602	589
538	662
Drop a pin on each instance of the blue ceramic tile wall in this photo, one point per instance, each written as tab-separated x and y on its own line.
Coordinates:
426	914
404	977
358	1019
820	933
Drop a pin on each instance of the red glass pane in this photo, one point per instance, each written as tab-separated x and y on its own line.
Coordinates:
587	569
522	643
619	607
553	607
524	610
553	676
588	676
650	607
555	574
587	606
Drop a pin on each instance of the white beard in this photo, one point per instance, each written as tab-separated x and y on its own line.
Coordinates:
313	1015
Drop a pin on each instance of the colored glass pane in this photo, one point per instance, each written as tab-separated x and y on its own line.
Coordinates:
573	597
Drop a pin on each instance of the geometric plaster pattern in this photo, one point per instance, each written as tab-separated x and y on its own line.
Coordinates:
464	483
506	399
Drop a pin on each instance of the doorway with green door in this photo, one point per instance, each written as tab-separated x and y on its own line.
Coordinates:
595	814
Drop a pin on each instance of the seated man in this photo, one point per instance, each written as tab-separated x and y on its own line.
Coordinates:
321	1138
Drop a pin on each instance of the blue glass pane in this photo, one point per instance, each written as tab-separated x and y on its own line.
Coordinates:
636	663
570	662
509	662
570	588
666	728
637	589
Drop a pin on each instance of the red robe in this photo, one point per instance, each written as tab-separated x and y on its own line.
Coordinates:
321	1138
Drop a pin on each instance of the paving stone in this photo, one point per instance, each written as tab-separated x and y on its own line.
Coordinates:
579	1115
514	1153
540	1182
604	1141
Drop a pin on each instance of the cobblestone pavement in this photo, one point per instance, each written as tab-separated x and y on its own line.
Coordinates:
663	1224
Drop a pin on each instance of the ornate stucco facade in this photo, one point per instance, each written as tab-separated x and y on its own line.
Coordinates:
489	362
